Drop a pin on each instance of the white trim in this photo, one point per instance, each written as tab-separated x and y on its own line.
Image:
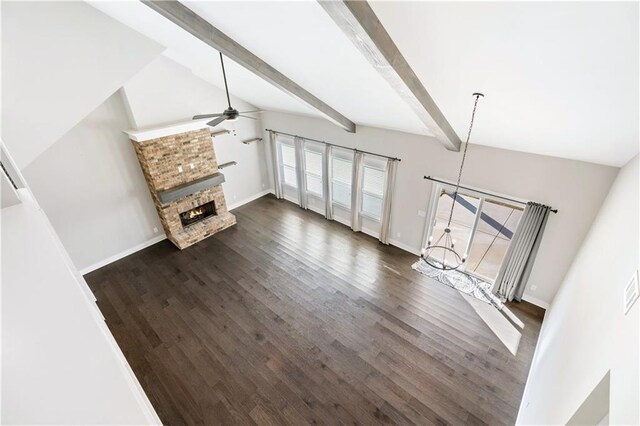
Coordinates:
159	238
122	254
174	129
342	206
315	209
370	232
288	185
367	231
250	199
318	197
342	221
432	206
291	199
405	247
535	301
132	381
368	216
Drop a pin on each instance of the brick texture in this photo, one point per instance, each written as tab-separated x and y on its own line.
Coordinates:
161	160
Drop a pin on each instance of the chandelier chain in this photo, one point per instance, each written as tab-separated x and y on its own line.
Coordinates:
464	155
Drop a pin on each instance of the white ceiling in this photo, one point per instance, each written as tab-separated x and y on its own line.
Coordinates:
299	39
560	79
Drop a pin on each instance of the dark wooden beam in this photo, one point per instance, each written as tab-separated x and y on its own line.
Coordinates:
361	25
191	22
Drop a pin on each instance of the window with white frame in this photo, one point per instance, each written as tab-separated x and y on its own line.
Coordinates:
288	163
372	191
313	171
341	181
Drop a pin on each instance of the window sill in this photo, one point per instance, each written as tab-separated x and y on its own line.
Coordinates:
368	216
315	195
342	206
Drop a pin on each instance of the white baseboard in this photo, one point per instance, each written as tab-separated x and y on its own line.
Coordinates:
249	199
290	199
122	254
405	247
370	232
316	210
535	301
159	238
342	221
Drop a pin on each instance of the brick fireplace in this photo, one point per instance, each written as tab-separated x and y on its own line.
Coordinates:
180	167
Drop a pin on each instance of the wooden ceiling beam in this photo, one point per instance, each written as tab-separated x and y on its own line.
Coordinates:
361	25
191	22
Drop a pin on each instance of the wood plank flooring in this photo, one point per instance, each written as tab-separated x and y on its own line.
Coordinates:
288	318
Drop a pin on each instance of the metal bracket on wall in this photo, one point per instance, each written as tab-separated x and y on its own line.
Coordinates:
222	132
248	141
227	164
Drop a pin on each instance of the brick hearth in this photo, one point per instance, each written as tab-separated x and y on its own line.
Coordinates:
171	161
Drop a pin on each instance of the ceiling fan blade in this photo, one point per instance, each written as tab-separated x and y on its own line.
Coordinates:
246	116
247	112
198	117
216	121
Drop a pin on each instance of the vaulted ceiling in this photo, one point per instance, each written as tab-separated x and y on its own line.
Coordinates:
560	79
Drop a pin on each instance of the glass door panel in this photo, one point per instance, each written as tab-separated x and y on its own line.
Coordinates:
462	221
497	224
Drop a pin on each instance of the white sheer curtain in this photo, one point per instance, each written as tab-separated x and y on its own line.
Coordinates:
301	177
516	267
326	175
389	184
356	191
277	184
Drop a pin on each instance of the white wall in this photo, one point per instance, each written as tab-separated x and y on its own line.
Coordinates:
165	93
90	183
60	363
91	186
585	333
576	188
60	60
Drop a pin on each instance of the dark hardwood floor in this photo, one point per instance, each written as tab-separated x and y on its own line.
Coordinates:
288	318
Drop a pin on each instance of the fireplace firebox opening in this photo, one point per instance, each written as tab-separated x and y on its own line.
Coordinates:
197	214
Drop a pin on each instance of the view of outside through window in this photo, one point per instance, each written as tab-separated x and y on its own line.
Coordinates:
341	183
461	223
497	224
289	164
372	191
313	168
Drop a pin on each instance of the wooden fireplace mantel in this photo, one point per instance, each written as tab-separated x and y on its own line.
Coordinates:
189	188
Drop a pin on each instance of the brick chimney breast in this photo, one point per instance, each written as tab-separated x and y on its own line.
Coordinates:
176	160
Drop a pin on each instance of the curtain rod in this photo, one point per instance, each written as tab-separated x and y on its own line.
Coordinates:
481	192
332	144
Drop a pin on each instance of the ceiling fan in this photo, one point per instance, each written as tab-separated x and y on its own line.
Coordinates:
230	113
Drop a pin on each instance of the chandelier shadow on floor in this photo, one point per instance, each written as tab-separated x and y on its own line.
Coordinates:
460	281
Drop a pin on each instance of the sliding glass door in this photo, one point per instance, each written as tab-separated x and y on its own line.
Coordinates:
482	227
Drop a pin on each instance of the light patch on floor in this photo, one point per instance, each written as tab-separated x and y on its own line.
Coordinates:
395	271
508	334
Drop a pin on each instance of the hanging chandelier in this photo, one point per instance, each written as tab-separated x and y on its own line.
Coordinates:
442	254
